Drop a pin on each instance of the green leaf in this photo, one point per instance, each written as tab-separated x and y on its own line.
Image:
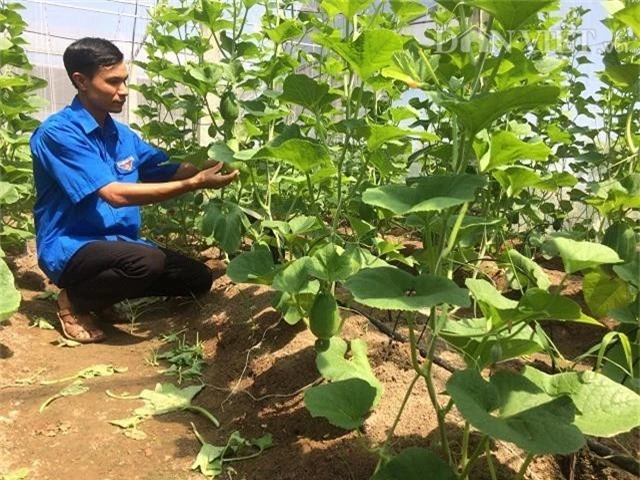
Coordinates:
19	474
526	270
630	16
434	193
286	30
578	256
41	323
511	13
389	288
76	388
378	135
412	463
166	398
253	267
333	365
344	404
604	292
408	10
507	149
304	155
221	152
370	52
348	8
484	292
615	195
306	92
516	179
209	460
526	416
293	278
604	408
622	239
224	222
480	112
629	271
331	264
8	193
10	298
481	348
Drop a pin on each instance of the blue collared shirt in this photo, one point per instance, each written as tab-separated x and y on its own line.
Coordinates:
72	159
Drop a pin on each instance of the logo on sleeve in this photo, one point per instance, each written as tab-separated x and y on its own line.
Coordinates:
125	165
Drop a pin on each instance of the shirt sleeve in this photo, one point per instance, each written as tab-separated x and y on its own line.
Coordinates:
72	162
153	166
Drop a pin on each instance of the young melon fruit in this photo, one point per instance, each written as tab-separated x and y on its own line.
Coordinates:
324	318
229	106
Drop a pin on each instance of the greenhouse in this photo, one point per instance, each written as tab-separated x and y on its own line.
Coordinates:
319	239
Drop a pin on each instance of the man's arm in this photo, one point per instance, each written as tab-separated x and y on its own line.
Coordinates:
188	170
121	194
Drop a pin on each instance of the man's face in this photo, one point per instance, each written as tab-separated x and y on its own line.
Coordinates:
107	90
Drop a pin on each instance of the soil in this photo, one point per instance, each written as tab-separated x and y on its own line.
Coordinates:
256	370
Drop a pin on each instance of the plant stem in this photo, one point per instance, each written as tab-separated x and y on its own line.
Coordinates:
488	456
476	453
396	421
202	411
465	445
524	467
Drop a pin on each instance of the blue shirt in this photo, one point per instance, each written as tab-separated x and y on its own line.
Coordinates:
72	159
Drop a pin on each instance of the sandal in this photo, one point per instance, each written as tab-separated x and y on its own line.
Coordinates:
79	327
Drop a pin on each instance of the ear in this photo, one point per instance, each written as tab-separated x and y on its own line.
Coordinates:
80	81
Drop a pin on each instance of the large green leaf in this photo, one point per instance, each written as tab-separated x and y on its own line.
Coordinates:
302	154
348	8
294	278
615	195
433	193
526	271
10	298
224	221
535	304
578	256
604	292
389	288
604	408
620	237
253	267
344	404
507	149
8	193
369	53
516	178
511	13
408	10
480	348
333	365
286	30
480	112
629	271
331	264
412	464
526	416
306	92
630	16
378	135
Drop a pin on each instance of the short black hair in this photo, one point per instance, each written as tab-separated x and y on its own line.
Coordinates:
88	54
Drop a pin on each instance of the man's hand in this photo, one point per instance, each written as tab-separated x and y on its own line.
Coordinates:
211	178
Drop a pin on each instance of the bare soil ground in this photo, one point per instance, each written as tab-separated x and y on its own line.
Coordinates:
255	366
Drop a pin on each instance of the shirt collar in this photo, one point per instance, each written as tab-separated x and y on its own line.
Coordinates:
86	120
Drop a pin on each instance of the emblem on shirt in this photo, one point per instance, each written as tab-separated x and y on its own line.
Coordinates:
125	165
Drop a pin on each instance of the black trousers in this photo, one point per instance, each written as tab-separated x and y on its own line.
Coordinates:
106	272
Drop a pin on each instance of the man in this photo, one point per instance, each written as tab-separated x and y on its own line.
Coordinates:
91	174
